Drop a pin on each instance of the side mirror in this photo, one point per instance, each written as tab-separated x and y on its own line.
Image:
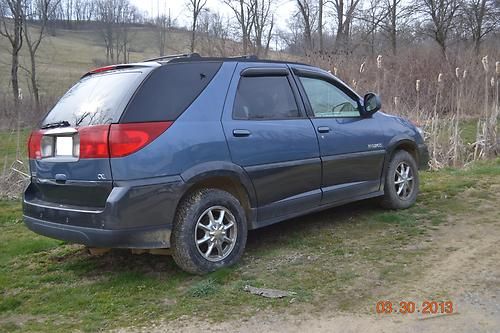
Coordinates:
371	104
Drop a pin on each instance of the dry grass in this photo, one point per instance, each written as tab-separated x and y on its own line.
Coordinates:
440	96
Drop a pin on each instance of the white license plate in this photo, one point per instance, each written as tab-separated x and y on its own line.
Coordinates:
64	146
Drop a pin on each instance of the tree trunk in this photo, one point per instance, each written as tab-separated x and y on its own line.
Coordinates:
244	24
193	34
393	32
34	84
320	25
13	75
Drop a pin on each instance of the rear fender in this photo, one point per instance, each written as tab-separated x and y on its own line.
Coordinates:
205	171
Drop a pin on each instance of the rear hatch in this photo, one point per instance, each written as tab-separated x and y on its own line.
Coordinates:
70	151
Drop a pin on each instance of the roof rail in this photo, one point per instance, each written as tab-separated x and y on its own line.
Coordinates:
172	56
247	56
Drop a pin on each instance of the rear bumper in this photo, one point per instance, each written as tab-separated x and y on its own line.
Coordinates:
137	214
148	237
423	157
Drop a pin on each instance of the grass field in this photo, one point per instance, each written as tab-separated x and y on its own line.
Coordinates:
343	258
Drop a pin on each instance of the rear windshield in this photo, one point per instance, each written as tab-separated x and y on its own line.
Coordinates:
97	99
169	91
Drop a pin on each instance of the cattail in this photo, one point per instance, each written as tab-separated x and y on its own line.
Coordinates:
485	63
417	85
465	74
379	61
457	72
440	77
362	68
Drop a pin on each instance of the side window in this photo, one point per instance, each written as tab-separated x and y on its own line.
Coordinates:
169	91
327	100
265	97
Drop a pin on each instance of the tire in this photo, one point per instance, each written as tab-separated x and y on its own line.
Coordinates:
198	219
401	187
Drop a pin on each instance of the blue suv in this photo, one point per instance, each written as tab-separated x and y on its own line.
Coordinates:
189	153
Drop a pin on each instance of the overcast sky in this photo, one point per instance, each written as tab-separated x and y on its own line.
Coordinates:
179	11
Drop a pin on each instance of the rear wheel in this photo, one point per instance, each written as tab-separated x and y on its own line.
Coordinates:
401	181
209	232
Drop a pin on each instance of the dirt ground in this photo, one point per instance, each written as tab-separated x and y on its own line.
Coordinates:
464	265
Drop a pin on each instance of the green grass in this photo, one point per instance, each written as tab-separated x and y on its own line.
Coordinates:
344	257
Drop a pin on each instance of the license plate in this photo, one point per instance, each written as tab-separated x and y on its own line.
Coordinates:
64	146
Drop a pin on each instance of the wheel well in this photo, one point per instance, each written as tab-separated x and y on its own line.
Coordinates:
409	147
227	184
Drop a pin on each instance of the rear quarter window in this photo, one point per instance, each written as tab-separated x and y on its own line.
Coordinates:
169	91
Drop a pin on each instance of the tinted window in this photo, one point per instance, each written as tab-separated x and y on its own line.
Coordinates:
169	91
96	99
327	100
265	98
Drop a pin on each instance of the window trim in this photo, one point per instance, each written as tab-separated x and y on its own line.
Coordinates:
299	72
271	72
264	71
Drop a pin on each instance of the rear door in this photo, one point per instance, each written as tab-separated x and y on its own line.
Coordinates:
351	146
270	136
69	159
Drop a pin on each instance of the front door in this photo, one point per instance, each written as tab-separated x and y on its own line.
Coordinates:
271	137
351	146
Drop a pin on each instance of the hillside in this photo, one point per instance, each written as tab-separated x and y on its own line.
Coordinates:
63	58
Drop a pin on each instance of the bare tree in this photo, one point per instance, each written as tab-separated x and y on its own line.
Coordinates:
162	25
37	11
480	18
196	7
213	27
396	14
243	11
320	24
371	19
344	10
11	27
308	16
442	19
263	25
114	17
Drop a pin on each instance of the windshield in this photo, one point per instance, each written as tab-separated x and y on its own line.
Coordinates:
95	100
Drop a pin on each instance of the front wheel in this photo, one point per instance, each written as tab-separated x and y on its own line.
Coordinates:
401	182
209	232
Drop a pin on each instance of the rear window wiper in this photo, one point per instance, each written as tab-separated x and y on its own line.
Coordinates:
62	123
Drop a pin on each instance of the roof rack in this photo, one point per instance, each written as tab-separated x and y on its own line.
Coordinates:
248	56
172	56
195	57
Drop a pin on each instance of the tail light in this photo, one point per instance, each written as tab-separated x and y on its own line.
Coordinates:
94	141
104	141
125	139
35	144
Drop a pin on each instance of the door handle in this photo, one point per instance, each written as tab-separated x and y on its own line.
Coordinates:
323	129
241	133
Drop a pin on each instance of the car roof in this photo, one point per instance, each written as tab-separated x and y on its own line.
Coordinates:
195	57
